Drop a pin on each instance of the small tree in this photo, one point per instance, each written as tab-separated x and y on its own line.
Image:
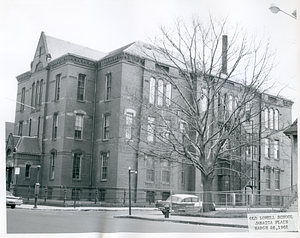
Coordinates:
204	96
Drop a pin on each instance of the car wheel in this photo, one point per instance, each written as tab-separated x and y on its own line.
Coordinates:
13	206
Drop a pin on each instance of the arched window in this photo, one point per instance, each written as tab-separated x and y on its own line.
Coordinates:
160	92
266	117
168	94
152	90
37	94
32	94
276	120
271	118
41	92
230	103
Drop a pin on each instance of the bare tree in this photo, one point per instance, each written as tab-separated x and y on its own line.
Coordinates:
204	99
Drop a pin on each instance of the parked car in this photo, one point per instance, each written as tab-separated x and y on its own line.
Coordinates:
12	201
180	203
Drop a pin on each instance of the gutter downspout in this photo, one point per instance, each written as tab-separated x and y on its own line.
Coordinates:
139	133
93	128
259	142
44	121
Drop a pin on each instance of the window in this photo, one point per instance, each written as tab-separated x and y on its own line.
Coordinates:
182	131
81	87
78	127
52	163
276	120
203	100
20	128
149	169
76	166
29	127
182	180
22	100
38	127
271	118
32	94
106	127
168	94
57	87
276	149
277	179
55	125
230	103
129	128
104	165
268	178
27	171
150	129
165	171
267	148
108	86
167	129
37	94
160	92
41	93
152	90
266	117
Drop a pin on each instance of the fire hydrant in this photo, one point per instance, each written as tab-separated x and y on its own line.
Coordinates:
166	211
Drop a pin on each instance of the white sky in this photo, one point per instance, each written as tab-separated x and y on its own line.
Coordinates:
106	25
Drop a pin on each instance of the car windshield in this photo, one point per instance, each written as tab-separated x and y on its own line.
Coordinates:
174	199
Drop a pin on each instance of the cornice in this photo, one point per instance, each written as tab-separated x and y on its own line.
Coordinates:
74	59
24	76
120	57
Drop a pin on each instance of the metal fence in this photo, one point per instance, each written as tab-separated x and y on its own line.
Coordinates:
145	197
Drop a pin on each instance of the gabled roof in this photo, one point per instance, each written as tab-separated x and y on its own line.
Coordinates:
28	145
57	48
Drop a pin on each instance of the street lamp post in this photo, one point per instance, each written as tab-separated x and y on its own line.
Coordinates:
274	9
37	186
130	171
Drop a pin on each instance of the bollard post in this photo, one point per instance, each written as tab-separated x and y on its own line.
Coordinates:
65	197
96	196
46	194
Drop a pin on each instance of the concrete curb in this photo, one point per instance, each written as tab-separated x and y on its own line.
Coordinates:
186	222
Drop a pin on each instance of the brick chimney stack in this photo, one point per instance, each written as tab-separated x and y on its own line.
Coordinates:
224	54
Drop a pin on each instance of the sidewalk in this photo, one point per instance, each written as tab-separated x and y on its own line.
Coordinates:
154	215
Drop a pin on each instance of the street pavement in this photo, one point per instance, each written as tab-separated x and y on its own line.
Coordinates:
137	213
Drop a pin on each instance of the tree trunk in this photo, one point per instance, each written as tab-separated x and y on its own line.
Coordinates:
207	194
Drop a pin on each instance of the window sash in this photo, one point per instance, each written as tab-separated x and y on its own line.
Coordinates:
277	179
104	166
76	166
108	87
81	87
168	94
266	118
150	129
268	179
22	106
276	120
55	125
129	122
20	132
166	176
52	162
271	118
78	126
152	90
32	94
57	87
37	94
27	170
276	149
160	92
106	127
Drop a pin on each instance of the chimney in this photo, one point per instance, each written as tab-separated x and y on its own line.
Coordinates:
224	54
